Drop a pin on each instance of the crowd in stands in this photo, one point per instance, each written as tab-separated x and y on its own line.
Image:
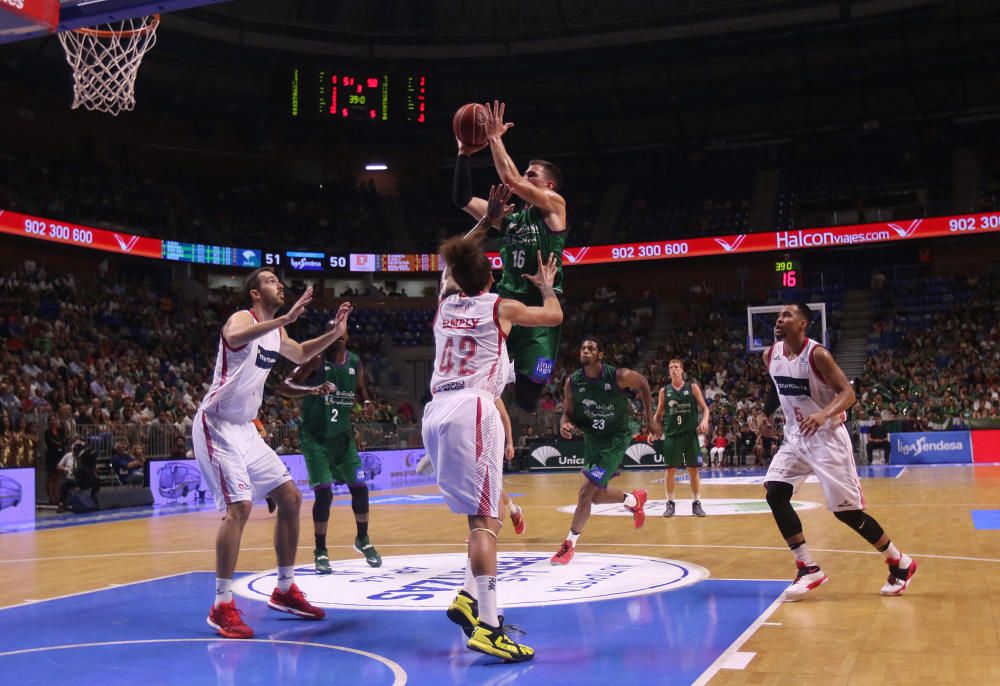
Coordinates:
934	351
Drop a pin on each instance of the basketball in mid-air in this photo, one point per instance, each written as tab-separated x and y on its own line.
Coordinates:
469	124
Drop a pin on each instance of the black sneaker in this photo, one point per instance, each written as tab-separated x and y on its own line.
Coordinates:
696	509
464	611
668	511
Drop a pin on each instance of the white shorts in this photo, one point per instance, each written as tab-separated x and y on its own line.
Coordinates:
829	455
235	462
464	437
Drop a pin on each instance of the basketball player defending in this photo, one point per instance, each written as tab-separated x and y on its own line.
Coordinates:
462	427
538	228
815	395
327	389
677	410
235	462
594	401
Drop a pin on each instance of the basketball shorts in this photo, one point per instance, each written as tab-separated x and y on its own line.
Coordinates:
603	455
679	450
235	462
464	438
829	455
533	350
332	459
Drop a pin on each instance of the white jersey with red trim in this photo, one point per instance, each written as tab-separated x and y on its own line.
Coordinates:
802	390
238	385
470	353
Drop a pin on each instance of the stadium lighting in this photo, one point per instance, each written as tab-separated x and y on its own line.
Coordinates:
376	166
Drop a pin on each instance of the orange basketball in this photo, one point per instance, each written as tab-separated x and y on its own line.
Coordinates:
469	124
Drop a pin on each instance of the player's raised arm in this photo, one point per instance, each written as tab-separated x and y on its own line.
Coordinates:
243	327
299	353
628	378
566	425
545	199
461	190
549	314
306	379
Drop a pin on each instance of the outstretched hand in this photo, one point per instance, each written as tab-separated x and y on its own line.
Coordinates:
340	320
495	125
496	205
300	306
546	274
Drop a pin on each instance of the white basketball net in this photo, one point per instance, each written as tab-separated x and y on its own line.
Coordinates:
105	62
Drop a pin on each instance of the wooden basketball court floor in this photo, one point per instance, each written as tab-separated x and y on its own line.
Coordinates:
125	601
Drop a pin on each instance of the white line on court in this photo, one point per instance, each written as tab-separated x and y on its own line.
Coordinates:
398	673
721	661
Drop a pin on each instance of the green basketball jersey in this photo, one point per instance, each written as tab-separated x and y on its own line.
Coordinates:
330	415
681	414
599	406
524	234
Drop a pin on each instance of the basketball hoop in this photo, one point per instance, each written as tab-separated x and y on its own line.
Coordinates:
105	62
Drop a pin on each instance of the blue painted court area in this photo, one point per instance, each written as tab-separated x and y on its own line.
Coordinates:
155	633
986	519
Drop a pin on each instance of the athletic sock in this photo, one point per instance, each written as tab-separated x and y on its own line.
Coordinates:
572	537
696	496
321	541
802	554
630	500
894	557
487	588
223	591
514	509
286	577
470	581
362	528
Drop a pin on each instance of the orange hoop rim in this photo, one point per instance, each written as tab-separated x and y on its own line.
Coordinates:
126	33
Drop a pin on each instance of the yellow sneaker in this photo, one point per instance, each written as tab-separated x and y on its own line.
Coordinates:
495	641
464	611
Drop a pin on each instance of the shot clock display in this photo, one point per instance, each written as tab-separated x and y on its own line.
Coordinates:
360	95
789	272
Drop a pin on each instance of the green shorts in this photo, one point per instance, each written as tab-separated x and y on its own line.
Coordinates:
333	460
603	455
679	450
534	350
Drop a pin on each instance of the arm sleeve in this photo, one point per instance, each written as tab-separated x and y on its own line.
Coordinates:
770	398
461	190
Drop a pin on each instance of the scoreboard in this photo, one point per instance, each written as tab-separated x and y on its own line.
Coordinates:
360	95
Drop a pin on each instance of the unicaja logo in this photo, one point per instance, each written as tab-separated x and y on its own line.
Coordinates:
735	245
922	444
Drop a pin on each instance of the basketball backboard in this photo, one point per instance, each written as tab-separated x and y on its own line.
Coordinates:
25	19
760	325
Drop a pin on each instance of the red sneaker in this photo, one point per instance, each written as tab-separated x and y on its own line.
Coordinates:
564	554
638	513
518	521
228	621
294	602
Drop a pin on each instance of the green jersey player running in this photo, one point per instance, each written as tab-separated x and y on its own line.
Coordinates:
594	402
327	388
538	228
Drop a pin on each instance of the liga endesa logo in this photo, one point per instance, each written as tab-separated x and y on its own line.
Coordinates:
526	579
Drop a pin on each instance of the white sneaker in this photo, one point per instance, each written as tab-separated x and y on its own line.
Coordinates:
899	577
808	578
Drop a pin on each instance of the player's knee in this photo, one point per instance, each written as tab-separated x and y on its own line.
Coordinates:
321	506
778	493
239	511
863	523
527	393
359	498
